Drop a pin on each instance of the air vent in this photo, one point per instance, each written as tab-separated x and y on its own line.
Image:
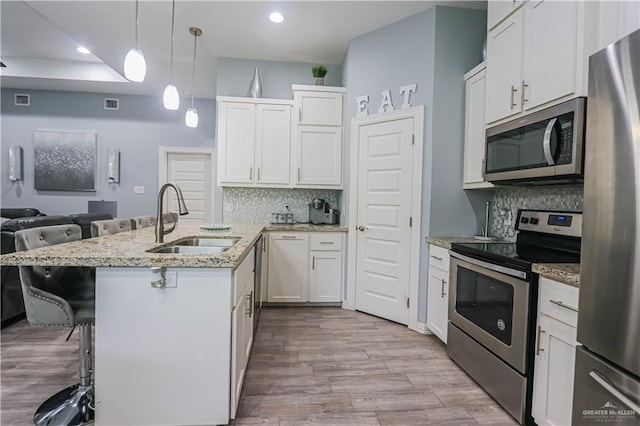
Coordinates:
22	99
111	103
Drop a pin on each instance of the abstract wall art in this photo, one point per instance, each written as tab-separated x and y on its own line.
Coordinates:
65	161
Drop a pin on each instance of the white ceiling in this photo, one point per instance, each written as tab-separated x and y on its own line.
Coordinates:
39	38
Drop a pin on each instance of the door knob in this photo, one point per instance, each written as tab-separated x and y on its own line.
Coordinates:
362	227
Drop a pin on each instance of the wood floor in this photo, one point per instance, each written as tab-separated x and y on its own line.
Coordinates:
309	366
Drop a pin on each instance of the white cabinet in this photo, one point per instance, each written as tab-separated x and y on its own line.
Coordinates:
616	20
438	292
537	57
288	258
317	144
555	353
497	10
254	142
305	267
241	327
474	129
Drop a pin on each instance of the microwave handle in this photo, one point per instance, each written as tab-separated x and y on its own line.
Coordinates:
546	142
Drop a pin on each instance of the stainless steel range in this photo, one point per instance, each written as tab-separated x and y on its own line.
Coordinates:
492	304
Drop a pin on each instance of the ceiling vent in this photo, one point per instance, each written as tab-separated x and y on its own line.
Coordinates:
111	103
22	99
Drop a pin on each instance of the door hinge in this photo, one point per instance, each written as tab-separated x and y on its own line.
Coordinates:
413	139
407	302
410	221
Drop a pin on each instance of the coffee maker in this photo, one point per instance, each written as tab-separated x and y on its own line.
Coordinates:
321	213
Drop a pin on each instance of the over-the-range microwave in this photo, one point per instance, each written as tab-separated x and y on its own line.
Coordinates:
545	147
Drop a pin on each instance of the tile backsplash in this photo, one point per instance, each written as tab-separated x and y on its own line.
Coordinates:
255	205
507	201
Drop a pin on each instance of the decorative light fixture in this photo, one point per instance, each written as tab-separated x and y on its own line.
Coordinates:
170	98
135	66
83	50
191	118
276	17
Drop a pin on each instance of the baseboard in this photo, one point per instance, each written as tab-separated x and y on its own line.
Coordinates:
421	327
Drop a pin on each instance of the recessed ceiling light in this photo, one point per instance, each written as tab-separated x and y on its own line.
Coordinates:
83	50
276	17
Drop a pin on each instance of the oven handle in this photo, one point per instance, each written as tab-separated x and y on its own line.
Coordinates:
491	266
546	142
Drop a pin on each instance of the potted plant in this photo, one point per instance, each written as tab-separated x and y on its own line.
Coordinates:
319	71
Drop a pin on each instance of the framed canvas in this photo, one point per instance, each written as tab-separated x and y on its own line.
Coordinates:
65	161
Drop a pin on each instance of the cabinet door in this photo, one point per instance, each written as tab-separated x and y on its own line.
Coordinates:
273	142
497	10
553	372
504	68
238	353
318	108
319	156
236	135
438	302
288	257
551	49
325	276
474	129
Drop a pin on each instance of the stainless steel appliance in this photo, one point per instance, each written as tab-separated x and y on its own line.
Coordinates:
542	148
321	213
492	304
607	375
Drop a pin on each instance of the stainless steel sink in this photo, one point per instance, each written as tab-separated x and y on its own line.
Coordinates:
189	250
198	246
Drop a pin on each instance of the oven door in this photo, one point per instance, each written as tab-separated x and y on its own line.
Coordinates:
491	306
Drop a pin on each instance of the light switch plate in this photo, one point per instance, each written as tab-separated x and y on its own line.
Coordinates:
138	189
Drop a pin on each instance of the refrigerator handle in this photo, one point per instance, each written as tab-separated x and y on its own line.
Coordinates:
613	391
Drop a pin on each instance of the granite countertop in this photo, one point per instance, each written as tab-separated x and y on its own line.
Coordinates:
445	242
129	249
567	273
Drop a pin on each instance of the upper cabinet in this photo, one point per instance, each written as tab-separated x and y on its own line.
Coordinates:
538	55
498	10
254	138
317	142
616	20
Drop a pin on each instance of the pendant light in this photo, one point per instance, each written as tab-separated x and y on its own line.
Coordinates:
170	98
191	118
135	66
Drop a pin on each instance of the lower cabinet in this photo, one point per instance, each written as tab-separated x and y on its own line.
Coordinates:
438	292
555	353
305	267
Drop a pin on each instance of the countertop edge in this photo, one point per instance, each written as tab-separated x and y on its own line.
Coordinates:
564	273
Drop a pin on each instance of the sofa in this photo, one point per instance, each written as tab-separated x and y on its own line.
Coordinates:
15	220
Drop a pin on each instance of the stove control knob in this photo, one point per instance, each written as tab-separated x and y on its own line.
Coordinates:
524	219
533	221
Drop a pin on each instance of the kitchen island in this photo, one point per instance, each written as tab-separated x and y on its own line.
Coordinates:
174	354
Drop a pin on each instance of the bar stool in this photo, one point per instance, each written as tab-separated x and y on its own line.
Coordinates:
61	297
143	222
108	227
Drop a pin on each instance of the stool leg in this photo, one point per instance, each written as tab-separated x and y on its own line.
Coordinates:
72	406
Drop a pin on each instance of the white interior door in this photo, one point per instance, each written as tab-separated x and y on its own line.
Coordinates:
384	210
192	172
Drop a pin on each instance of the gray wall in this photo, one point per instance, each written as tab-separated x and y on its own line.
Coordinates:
137	129
434	49
235	75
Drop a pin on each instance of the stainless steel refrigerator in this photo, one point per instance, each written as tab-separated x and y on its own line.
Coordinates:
607	375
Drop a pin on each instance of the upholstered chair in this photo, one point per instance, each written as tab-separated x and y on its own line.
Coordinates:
143	222
61	296
108	227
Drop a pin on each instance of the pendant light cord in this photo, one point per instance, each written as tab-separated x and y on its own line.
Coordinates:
136	24
173	20
193	75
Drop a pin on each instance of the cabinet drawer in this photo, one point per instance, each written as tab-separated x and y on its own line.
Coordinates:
325	241
439	257
243	276
559	301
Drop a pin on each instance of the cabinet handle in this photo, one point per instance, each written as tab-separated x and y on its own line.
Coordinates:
288	237
436	258
522	96
249	310
513	94
538	348
483	167
326	242
313	262
299	114
443	294
250	173
258	173
562	305
298	174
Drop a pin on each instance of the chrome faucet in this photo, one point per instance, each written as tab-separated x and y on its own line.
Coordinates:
182	210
